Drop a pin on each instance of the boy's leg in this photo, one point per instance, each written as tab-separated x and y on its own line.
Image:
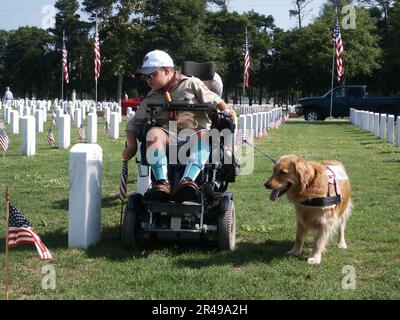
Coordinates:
187	187
156	154
198	158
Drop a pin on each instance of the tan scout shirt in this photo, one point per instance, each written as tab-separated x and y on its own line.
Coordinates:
189	90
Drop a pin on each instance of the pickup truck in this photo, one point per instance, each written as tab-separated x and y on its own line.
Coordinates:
344	98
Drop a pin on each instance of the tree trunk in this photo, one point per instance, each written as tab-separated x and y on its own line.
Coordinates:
119	89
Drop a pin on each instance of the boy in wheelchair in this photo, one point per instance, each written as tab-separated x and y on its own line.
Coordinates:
168	86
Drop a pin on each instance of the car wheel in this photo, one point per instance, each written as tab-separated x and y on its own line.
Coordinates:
312	115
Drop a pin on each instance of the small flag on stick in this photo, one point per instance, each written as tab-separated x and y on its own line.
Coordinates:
4	140
81	132
50	137
21	231
124	181
107	129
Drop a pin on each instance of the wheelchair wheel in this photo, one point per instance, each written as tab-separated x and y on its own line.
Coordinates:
227	228
131	221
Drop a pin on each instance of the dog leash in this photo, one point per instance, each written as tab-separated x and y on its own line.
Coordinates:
263	153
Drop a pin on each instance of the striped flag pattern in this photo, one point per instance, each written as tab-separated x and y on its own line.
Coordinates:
97	61
65	62
124	181
106	129
337	39
246	56
81	132
4	140
20	231
50	137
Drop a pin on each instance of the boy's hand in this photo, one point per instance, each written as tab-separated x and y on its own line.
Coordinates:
128	153
230	113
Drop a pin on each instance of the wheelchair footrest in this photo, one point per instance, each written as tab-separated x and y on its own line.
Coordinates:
175	208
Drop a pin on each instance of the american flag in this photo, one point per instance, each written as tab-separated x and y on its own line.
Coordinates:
337	39
246	56
106	129
50	137
20	231
124	181
81	132
65	62
97	62
4	141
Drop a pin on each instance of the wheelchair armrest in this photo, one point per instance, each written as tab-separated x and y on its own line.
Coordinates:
180	107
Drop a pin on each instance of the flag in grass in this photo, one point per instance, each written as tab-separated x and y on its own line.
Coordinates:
107	129
81	132
4	141
124	181
20	231
50	137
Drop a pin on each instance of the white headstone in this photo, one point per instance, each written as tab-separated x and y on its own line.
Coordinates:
131	114
371	122
39	120
119	111
28	146
83	110
398	131
44	111
255	125
27	111
390	129
107	114
78	118
249	124
382	127
14	123
114	125
242	125
85	174
7	112
64	131
376	124
92	128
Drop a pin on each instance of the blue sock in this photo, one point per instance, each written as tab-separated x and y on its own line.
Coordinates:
158	162
197	160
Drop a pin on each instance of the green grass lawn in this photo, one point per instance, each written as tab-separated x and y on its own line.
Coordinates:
257	269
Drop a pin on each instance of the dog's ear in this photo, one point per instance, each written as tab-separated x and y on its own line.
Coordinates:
304	171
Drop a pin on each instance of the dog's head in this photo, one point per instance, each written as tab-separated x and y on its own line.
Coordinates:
289	172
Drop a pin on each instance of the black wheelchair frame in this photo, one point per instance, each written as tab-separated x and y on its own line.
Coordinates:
211	217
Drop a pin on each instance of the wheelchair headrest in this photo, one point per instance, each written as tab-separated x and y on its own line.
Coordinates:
204	71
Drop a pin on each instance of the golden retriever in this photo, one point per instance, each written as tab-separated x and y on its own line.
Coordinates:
303	181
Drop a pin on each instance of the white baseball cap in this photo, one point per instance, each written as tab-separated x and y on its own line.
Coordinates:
153	61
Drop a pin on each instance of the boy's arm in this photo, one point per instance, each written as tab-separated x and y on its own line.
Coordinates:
205	95
132	128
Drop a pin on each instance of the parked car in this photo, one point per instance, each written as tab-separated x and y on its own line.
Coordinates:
344	98
130	103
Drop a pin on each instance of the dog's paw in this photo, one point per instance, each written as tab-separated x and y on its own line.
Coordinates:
342	245
294	252
314	260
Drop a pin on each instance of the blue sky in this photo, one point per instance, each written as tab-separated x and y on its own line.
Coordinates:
17	13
